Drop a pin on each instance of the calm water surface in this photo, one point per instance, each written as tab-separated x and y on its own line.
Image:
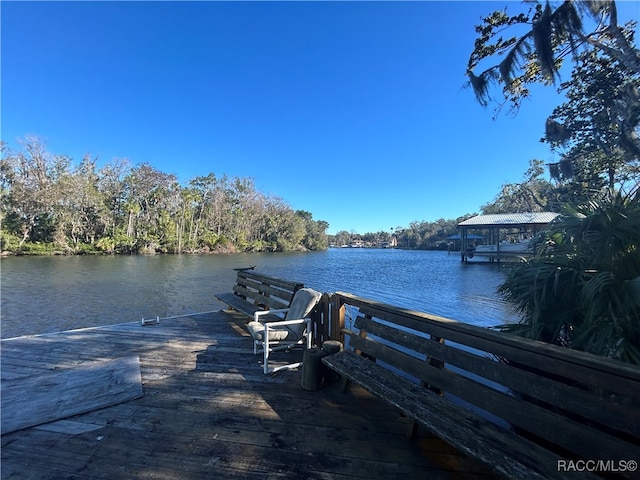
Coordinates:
48	294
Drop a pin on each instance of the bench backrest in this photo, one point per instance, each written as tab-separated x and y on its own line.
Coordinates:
575	403
264	291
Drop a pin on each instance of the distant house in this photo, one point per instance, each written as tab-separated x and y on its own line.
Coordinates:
393	243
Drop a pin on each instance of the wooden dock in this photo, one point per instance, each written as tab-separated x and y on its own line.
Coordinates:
208	411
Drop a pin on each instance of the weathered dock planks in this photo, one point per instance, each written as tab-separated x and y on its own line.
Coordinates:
57	394
208	411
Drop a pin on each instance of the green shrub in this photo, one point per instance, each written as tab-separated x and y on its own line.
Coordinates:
9	242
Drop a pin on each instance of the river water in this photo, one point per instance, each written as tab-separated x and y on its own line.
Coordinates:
49	294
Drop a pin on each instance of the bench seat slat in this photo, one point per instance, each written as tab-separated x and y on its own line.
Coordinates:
456	425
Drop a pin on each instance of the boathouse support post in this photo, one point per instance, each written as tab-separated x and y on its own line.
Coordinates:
463	245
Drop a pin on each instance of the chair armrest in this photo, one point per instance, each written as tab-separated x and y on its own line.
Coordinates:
266	312
287	322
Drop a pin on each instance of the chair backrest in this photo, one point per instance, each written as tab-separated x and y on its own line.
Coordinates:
303	302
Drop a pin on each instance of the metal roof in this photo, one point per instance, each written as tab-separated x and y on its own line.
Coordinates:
507	219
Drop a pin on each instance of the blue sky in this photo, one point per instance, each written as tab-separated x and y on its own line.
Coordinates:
353	111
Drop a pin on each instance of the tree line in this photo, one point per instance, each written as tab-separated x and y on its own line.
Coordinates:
419	235
51	205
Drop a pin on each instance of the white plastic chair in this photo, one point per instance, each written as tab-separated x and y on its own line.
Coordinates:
294	329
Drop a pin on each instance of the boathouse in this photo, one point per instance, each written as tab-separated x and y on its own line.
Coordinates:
493	226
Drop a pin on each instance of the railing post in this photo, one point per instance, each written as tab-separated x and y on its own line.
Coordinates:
336	326
320	319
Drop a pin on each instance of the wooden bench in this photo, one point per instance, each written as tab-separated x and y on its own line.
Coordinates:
253	292
525	408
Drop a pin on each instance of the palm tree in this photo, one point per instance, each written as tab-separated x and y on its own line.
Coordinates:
582	289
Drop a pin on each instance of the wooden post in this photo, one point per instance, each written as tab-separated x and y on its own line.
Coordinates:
320	318
312	369
316	324
337	319
331	347
325	309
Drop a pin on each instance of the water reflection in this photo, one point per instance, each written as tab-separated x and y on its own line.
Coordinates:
45	294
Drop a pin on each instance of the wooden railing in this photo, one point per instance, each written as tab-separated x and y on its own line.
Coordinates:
576	404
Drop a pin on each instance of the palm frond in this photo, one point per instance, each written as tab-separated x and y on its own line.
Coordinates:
583	290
